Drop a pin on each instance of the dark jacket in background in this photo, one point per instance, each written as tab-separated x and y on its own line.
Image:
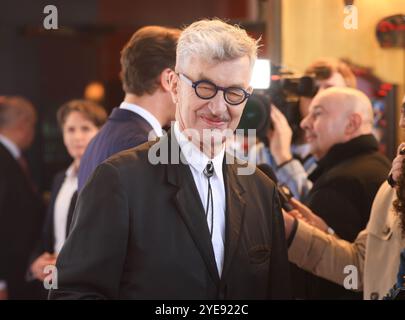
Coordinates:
21	219
345	184
47	241
123	130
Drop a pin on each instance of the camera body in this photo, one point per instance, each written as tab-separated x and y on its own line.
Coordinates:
284	92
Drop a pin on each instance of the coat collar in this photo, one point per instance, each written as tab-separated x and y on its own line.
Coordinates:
145	114
235	212
10	146
341	152
118	114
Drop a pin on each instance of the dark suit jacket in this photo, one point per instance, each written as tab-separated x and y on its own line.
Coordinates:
21	218
345	184
123	130
47	241
140	232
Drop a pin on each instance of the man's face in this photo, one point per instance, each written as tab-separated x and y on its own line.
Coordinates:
325	124
214	114
402	118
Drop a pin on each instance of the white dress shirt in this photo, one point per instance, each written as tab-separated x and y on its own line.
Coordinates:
149	117
197	161
10	146
62	204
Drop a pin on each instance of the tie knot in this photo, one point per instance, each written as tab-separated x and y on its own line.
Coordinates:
209	169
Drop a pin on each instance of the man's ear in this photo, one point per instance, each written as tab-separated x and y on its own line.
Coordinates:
169	81
165	79
354	123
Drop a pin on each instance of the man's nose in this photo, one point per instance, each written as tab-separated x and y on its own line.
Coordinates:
218	104
305	123
78	135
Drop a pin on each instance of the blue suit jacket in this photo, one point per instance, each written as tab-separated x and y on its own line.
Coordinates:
123	130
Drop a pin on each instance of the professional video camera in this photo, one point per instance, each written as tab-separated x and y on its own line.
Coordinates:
281	88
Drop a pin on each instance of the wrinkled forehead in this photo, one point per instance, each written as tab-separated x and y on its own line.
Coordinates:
200	61
332	103
318	101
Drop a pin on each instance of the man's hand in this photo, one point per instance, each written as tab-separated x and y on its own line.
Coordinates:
302	212
38	266
280	137
396	169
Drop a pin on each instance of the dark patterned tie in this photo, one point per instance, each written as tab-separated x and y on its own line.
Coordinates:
24	166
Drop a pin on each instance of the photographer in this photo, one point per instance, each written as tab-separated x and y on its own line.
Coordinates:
288	154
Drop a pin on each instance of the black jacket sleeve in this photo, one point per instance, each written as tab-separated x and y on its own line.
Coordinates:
280	287
91	262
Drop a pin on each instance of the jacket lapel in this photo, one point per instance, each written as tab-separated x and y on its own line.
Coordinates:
191	210
71	210
235	211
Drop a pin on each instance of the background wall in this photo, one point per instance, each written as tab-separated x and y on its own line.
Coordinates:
50	67
314	28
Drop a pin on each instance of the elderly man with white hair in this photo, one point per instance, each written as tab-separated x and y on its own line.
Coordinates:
350	170
194	229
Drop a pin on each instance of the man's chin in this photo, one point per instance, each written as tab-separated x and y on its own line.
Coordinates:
316	154
313	150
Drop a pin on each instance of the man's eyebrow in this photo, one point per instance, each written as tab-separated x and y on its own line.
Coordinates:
202	76
317	107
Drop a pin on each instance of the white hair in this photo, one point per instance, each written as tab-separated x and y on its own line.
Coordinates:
214	40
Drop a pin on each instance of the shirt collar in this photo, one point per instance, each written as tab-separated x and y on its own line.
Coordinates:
10	146
149	117
193	155
71	172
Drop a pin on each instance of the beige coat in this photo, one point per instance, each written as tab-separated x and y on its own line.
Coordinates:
375	252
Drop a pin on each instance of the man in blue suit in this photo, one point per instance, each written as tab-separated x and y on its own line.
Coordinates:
147	61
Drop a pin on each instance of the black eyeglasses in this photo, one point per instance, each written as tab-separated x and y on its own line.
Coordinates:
206	90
